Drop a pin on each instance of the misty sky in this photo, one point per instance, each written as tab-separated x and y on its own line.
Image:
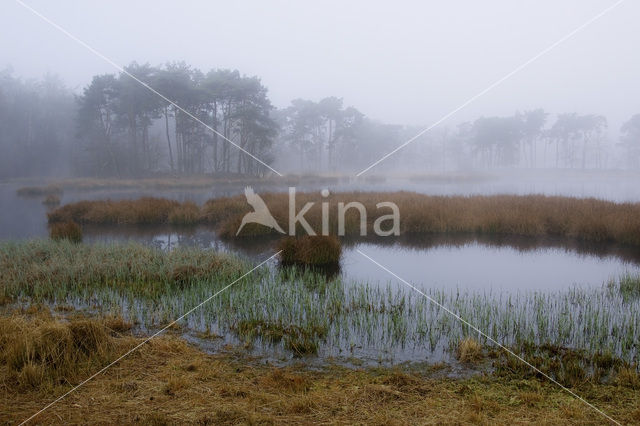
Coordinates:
399	62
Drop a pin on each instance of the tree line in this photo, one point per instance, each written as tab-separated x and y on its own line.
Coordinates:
116	113
117	127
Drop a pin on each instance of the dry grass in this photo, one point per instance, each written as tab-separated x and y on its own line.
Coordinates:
310	250
117	324
146	210
42	353
628	377
66	231
170	382
532	215
188	213
469	350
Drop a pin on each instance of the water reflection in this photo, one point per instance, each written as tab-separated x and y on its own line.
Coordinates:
433	261
25	217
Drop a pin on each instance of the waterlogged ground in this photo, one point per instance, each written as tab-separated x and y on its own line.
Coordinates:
461	262
284	314
22	217
521	291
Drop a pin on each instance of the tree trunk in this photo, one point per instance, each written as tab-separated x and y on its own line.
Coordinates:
166	126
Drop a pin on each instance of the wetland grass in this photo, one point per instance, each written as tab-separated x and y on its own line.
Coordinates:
37	351
305	312
187	213
469	350
628	286
588	220
168	381
44	270
314	251
147	210
70	231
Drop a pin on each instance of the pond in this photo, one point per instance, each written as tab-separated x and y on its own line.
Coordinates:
466	262
461	261
499	283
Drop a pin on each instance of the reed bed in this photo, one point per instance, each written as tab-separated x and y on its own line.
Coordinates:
310	251
299	311
66	231
146	210
589	219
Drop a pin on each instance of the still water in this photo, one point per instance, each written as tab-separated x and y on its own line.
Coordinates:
464	262
493	266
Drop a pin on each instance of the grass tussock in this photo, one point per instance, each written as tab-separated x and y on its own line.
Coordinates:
469	351
70	231
531	215
43	352
310	250
628	286
628	377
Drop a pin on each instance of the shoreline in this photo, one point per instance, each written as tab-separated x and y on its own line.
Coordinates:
168	381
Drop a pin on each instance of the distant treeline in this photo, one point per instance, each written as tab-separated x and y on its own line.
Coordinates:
117	127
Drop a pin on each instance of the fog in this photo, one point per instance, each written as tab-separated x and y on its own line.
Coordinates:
384	201
405	64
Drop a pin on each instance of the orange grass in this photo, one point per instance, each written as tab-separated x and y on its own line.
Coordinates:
145	210
168	381
310	250
531	215
66	231
469	350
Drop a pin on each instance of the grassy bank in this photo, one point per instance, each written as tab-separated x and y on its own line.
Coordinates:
532	215
40	271
169	382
